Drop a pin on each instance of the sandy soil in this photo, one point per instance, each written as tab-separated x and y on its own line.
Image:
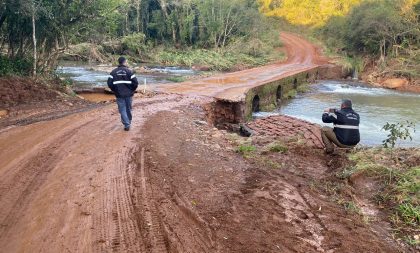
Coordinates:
172	184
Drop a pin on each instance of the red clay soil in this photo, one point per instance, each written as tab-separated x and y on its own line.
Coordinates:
24	101
288	127
15	91
172	184
207	198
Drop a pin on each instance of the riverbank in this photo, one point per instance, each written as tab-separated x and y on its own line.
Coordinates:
379	186
233	58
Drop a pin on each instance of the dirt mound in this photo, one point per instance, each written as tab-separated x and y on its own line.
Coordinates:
24	101
288	127
15	91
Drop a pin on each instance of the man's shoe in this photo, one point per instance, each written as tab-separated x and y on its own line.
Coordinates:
126	128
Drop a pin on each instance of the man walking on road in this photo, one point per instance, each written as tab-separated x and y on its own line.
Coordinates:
123	83
345	133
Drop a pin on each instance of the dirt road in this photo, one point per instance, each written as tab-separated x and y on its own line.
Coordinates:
301	55
172	184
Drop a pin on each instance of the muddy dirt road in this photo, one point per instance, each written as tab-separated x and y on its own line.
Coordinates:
172	184
301	55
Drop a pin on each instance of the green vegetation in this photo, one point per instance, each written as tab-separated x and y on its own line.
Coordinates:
398	183
217	34
278	147
176	79
14	66
303	88
379	36
398	131
383	33
307	12
246	150
290	94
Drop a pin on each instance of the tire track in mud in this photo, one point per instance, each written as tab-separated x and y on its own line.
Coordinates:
23	186
129	219
118	227
148	213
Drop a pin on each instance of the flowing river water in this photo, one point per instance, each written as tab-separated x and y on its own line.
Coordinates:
376	106
85	76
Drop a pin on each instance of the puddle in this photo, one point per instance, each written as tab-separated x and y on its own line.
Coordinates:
97	97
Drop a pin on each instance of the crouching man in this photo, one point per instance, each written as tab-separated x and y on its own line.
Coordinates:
345	133
123	83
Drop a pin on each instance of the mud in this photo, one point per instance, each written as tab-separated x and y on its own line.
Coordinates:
15	91
286	127
97	97
208	198
301	56
172	184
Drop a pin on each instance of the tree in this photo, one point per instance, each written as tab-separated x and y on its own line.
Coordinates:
307	12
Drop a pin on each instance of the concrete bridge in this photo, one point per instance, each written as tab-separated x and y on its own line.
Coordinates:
239	94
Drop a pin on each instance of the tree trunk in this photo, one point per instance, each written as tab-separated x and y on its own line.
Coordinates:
138	14
34	40
164	7
126	32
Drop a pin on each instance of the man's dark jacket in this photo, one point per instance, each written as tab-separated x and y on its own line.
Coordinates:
346	125
122	82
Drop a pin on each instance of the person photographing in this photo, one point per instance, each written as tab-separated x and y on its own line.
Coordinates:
345	133
123	83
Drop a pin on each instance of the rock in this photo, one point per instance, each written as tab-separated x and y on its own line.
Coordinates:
395	83
217	135
200	122
3	113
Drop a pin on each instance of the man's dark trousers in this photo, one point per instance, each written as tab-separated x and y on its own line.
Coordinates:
124	107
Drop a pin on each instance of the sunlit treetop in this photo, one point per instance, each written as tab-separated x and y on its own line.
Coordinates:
307	12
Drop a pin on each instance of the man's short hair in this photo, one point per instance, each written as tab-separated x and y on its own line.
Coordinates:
346	103
122	60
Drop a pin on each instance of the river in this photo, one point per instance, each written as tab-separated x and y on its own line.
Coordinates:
376	107
84	77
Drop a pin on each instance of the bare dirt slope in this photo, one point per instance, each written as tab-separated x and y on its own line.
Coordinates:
172	184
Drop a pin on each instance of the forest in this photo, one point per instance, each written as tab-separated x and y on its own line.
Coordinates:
215	33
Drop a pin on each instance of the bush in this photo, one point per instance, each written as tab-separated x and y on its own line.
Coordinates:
16	67
397	132
134	43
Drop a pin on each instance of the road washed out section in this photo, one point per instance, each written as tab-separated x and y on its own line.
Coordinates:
238	94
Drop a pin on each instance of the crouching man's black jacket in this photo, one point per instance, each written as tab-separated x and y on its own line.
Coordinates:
122	82
346	125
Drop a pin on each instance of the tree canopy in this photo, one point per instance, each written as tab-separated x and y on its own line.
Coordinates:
307	12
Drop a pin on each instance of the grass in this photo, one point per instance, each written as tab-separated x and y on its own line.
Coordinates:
290	94
176	79
399	185
393	183
219	60
277	148
409	214
351	207
303	88
246	150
